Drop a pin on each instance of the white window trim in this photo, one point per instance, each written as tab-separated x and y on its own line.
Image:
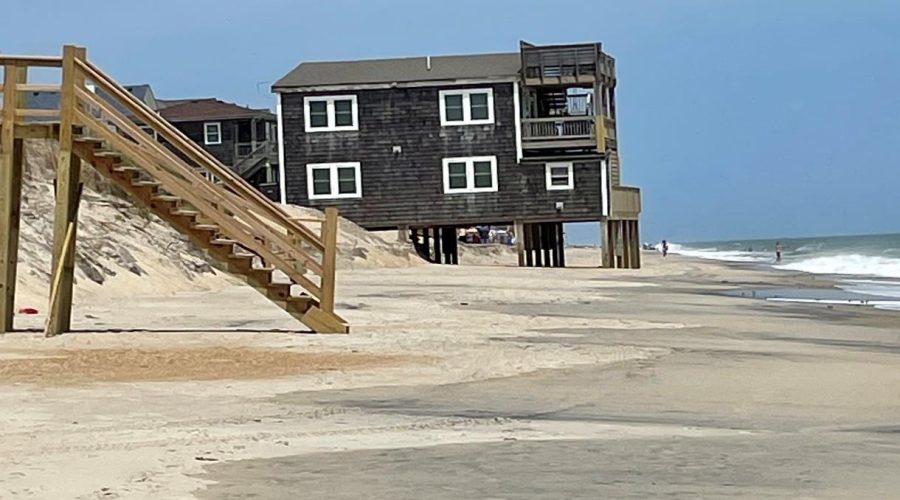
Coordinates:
604	187
282	183
329	100
218	127
470	174
517	111
333	172
467	108
558	164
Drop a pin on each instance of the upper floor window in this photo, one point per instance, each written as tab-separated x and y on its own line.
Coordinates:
331	113
333	180
212	133
476	174
560	176
467	107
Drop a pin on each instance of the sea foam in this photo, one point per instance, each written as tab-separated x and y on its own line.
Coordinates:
849	264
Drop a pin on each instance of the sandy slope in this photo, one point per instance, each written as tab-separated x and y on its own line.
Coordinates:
122	248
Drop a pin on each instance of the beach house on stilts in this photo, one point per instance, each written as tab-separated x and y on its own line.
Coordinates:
431	144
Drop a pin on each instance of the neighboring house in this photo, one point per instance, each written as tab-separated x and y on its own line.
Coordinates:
438	143
240	137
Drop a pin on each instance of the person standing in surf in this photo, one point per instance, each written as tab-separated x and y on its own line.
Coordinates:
778	250
665	248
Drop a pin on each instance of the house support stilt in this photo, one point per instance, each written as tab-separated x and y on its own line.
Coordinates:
436	244
621	244
541	244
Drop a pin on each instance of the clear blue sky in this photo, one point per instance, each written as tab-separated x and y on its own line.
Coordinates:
758	118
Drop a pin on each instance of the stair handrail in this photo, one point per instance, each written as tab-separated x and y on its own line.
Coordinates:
152	164
125	124
186	145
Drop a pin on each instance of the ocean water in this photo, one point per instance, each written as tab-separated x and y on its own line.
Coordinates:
866	267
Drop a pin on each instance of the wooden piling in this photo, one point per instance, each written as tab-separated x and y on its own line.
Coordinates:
438	253
12	158
329	259
561	244
520	242
528	242
68	179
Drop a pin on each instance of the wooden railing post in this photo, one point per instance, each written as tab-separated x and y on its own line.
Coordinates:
329	259
600	130
11	163
68	191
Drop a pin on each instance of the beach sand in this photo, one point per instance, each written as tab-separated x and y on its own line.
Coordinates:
461	382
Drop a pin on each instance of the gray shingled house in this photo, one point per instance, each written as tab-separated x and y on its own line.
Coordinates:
432	144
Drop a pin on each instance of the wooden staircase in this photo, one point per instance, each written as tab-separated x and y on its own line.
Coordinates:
288	262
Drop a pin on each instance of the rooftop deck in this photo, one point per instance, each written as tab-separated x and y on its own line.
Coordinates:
565	64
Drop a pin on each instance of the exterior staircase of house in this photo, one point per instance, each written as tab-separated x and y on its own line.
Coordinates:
251	237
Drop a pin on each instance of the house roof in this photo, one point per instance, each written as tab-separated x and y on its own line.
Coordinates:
187	110
409	69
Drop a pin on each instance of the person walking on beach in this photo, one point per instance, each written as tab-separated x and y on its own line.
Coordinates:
665	247
778	250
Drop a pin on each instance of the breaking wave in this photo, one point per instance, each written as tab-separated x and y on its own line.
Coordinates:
849	264
716	254
868	266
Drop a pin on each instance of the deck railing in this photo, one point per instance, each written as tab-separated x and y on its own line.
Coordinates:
560	61
563	127
247	149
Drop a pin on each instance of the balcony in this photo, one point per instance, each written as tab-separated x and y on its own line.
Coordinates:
567	132
625	203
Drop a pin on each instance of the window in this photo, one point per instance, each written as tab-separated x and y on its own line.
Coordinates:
333	180
470	175
331	113
212	133
466	107
559	176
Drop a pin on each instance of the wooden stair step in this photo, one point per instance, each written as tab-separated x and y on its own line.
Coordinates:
222	242
145	184
184	212
107	154
205	227
88	140
126	168
280	291
260	274
165	197
298	305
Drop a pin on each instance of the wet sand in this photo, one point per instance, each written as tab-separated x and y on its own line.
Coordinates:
506	383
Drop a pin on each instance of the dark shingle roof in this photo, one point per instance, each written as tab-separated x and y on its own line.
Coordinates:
186	110
410	69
